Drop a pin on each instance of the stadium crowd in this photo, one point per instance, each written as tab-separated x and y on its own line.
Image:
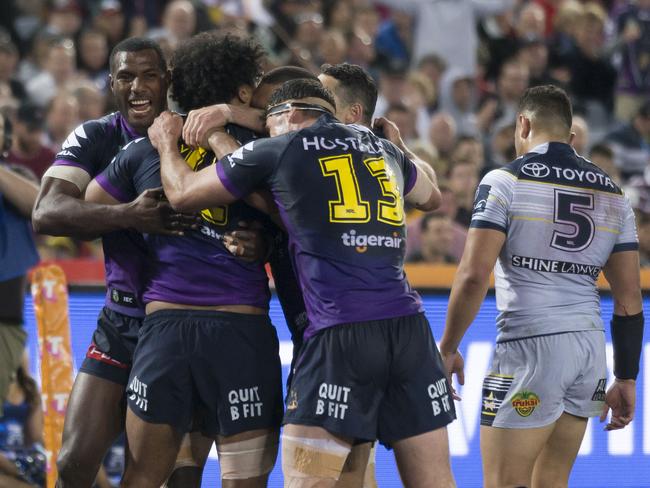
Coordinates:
449	75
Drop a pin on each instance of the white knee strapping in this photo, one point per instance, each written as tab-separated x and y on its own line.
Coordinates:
304	457
248	459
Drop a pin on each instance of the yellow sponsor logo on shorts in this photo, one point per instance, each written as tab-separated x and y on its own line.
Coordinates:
525	403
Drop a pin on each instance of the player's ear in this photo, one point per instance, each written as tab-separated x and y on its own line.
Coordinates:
245	93
524	126
356	111
572	136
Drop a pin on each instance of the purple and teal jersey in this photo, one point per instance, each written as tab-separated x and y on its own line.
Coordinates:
340	191
196	268
91	147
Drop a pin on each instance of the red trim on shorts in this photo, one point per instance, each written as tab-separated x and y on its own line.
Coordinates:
97	355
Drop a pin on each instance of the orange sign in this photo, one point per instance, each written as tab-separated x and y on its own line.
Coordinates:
50	296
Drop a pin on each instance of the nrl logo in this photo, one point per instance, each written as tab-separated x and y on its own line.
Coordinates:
525	403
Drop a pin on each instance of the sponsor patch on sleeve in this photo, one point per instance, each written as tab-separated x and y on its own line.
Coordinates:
481	197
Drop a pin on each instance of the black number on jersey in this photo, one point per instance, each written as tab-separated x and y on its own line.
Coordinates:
571	208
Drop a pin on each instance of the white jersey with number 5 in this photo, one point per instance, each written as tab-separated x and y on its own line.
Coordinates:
563	217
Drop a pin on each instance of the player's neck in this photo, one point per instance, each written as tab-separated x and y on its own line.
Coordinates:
542	138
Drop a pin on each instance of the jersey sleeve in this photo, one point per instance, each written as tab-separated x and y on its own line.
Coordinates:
492	201
409	170
118	178
628	239
250	166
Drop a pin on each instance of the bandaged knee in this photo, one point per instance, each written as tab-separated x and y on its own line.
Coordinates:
312	458
249	458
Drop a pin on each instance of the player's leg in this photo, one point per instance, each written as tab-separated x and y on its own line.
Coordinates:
554	463
312	457
423	460
93	420
152	452
509	455
160	398
355	468
417	405
370	479
246	459
188	468
96	407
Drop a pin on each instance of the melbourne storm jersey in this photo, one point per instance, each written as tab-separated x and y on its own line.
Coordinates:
340	193
563	217
194	269
91	147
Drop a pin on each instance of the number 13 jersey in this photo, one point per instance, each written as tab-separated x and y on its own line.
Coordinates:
563	217
340	191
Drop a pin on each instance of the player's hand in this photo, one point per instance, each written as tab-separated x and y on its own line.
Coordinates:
247	242
620	398
200	123
151	213
390	130
165	130
454	364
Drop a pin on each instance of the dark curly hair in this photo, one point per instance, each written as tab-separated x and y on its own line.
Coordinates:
210	68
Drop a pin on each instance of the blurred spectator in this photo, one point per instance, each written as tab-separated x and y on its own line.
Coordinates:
394	36
332	48
633	28
531	22
436	236
463	179
62	117
442	134
392	84
581	138
631	143
501	107
458	99
406	120
59	68
448	28
10	88
593	76
90	99
178	22
361	49
603	157
432	66
65	18
501	146
22	456
28	148
562	39
533	52
93	57
339	15
111	21
469	148
499	42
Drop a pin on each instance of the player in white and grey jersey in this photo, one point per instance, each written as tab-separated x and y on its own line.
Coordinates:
548	223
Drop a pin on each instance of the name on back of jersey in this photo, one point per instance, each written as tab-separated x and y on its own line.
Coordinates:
316	143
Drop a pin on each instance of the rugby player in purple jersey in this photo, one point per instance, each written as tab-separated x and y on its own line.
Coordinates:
207	356
96	411
340	192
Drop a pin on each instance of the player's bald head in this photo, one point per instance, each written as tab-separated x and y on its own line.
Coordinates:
548	108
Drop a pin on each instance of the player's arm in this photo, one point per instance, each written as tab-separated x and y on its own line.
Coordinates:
468	290
186	190
202	122
622	273
425	194
17	189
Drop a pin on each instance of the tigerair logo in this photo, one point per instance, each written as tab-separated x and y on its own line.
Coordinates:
525	403
361	242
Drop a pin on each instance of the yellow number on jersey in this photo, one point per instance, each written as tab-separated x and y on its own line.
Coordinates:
349	207
194	159
392	211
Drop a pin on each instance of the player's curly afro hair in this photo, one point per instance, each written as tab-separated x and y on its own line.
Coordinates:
210	67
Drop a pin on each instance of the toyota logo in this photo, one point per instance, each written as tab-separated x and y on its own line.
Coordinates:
535	170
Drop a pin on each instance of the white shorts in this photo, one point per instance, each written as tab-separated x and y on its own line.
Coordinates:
533	381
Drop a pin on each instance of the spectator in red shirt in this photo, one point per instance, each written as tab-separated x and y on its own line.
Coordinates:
28	148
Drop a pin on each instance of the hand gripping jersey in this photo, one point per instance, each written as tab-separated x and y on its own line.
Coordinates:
563	217
194	269
91	147
340	192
